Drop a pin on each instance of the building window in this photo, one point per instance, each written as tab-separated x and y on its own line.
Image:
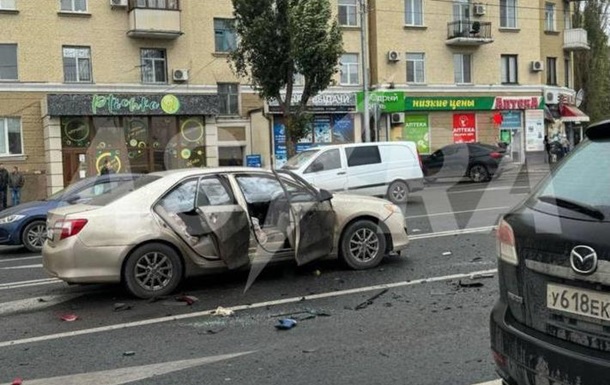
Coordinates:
7	4
349	69
414	12
228	95
74	5
508	13
566	65
155	4
8	61
509	69
415	68
77	64
567	16
348	13
298	79
551	71
10	136
549	17
224	35
462	68
154	69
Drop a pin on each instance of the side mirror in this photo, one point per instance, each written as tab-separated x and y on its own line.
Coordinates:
325	195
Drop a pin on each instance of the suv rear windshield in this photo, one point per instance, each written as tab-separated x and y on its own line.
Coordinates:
580	186
124	189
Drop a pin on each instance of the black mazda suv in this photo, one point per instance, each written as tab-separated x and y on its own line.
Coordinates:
551	324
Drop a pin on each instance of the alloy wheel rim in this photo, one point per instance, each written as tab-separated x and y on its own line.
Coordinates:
399	193
477	173
364	245
154	271
36	236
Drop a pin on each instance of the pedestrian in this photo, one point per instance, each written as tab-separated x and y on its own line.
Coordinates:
106	168
547	149
16	182
3	186
565	144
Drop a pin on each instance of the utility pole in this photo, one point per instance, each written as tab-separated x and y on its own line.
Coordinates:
365	70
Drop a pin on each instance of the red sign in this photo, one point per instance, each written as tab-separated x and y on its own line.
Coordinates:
464	128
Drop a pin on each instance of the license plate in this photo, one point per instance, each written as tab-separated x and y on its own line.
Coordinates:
586	303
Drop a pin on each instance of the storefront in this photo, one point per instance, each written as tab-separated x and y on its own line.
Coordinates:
333	122
563	117
136	133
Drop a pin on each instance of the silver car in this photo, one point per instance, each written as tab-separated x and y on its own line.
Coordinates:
151	233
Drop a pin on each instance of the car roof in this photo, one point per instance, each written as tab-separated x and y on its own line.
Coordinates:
185	172
599	130
347	145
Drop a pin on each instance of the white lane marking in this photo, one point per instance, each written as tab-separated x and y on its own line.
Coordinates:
494	382
284	301
132	374
458	212
22	267
35	282
19	259
491	189
453	232
33	304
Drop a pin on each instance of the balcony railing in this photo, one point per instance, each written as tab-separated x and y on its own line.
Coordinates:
154	19
575	40
467	32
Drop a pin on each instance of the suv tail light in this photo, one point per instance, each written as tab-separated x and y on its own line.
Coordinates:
496	155
70	227
506	243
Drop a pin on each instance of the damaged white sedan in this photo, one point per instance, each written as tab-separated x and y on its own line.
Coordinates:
151	233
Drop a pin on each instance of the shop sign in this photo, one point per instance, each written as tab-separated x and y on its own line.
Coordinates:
324	102
511	120
464	128
534	130
417	130
448	103
518	103
254	160
386	101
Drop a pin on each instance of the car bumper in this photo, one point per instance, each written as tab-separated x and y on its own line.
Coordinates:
525	356
10	234
398	231
415	184
73	262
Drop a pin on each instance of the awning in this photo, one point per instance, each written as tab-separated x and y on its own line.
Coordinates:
551	114
572	114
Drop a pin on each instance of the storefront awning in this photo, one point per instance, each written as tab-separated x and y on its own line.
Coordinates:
573	114
551	114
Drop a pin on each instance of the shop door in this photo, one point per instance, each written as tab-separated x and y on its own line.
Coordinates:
517	146
71	164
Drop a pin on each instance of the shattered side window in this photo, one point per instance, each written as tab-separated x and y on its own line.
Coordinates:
181	198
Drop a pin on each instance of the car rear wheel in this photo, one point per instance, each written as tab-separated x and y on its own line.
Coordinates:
362	245
153	270
398	192
478	173
33	236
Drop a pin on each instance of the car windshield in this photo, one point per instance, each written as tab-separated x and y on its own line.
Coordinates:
124	189
297	161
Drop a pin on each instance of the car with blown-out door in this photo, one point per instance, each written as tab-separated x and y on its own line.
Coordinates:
25	224
168	225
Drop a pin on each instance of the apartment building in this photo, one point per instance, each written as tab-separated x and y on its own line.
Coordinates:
147	84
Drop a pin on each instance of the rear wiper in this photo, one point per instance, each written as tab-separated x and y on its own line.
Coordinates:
573	206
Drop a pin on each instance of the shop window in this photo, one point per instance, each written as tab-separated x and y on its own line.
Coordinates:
509	69
11	142
348	13
462	67
154	66
8	61
349	69
228	95
224	35
73	5
75	132
231	156
414	12
77	64
415	68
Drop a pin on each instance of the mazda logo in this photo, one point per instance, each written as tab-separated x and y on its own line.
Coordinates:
583	259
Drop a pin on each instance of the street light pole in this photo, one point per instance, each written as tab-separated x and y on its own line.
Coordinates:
365	70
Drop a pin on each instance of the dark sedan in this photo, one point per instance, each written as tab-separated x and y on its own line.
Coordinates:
477	161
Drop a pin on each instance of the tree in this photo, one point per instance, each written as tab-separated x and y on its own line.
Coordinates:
592	67
278	39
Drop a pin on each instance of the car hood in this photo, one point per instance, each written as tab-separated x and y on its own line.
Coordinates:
30	208
340	197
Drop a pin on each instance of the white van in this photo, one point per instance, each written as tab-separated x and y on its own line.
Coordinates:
390	169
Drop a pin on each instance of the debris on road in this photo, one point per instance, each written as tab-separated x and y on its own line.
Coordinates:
69	317
477	259
317	273
214	331
222	312
482	276
470	284
447	253
129	353
285	324
310	350
119	306
42	300
416	231
17	381
189	299
370	301
303	314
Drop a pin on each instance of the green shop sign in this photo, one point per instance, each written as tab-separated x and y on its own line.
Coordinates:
417	130
388	101
449	103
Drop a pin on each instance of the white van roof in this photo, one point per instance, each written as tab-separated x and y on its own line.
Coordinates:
347	145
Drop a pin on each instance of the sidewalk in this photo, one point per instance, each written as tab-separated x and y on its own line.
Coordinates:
530	168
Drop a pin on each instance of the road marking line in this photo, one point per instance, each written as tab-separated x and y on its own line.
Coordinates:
35	282
453	232
459	212
19	259
22	267
284	301
32	304
491	189
494	382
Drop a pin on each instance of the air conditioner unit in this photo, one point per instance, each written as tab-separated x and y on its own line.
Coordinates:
393	56
118	3
551	97
537	66
398	117
181	75
479	9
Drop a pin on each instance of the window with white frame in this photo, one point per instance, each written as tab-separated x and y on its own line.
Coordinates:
549	17
462	68
567	16
224	35
74	5
154	66
414	12
415	68
508	13
551	71
509	69
77	64
7	4
11	142
157	4
349	69
348	13
228	95
8	61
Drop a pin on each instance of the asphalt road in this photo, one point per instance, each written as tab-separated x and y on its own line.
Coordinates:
417	319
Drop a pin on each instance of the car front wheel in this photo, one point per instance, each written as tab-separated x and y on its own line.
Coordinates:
363	245
153	270
398	192
34	235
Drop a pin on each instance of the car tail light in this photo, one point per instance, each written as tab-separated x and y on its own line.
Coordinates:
506	243
496	155
70	227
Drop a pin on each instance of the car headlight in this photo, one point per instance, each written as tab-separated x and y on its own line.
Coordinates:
11	218
392	208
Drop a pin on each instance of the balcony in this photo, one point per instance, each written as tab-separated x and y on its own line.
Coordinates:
468	33
575	40
151	19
